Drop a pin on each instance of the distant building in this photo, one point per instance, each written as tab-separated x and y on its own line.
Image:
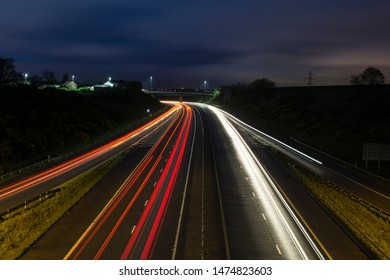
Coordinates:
43	86
106	85
69	85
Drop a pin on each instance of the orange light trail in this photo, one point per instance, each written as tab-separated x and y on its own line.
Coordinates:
110	207
163	206
131	203
79	160
167	195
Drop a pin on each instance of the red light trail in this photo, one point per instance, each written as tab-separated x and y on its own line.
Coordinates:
178	155
73	163
140	182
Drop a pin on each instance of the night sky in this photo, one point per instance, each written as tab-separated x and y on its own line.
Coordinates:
183	43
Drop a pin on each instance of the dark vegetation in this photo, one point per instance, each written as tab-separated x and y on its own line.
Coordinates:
370	76
37	123
335	119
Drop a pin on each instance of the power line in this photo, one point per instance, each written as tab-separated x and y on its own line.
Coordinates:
310	78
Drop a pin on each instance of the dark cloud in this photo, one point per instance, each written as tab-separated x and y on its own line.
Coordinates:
224	40
185	56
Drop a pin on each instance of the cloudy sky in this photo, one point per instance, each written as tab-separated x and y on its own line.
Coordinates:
183	43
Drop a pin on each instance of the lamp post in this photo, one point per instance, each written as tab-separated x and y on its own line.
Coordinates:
72	78
25	77
151	82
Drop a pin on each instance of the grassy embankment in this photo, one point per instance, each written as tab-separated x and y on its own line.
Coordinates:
369	227
21	228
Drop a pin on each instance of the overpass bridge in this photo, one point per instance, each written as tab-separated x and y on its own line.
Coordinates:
179	95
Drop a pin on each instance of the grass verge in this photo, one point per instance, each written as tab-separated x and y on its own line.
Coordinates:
365	224
21	228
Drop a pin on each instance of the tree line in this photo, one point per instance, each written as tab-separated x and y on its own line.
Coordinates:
370	76
9	75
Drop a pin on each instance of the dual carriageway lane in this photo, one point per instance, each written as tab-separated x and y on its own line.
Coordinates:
129	225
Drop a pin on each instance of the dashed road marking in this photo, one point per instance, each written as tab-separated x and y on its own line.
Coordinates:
277	248
132	231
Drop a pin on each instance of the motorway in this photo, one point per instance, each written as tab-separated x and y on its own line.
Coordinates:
197	183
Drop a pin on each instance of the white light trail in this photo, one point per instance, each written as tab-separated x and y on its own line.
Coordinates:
262	186
269	137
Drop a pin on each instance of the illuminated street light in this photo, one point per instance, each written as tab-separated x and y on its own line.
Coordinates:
205	85
72	78
151	82
25	77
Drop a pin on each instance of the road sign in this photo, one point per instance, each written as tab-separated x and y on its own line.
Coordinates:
376	152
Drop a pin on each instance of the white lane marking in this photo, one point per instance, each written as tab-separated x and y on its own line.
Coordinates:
254	195
155	183
146	202
175	245
132	231
264	216
277	248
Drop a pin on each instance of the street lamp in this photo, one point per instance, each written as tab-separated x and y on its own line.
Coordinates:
151	82
205	85
25	77
72	78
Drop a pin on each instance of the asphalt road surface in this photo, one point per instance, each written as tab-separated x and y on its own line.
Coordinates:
196	184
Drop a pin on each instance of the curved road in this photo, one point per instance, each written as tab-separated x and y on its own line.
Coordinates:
200	186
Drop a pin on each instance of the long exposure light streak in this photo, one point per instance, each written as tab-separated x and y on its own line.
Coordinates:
168	192
164	187
129	206
269	137
179	224
142	234
79	160
261	182
107	210
119	196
